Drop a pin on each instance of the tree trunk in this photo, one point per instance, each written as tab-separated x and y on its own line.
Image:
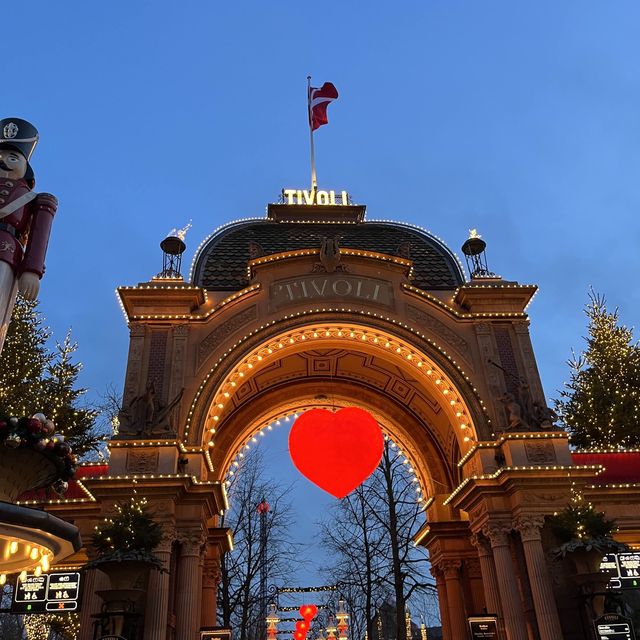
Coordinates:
398	578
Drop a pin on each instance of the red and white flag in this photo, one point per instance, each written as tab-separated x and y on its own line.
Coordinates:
319	100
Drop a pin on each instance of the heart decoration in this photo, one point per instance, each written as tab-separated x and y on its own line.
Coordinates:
336	451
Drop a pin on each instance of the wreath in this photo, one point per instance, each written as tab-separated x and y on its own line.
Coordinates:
39	434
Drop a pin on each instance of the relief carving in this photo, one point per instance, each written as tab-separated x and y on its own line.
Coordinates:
225	330
440	329
142	460
538	452
145	416
330	256
134	363
535	498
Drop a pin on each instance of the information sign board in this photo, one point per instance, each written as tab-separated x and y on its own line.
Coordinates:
624	569
483	627
47	593
612	626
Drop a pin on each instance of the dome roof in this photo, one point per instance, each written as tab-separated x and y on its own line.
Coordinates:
221	262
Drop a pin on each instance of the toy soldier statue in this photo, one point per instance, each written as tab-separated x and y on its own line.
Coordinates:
25	219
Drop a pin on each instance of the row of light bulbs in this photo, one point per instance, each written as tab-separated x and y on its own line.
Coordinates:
36	558
262	431
230	385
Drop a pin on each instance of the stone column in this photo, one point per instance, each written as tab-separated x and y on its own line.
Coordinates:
515	626
541	589
157	605
442	602
188	596
455	599
489	578
93	580
210	579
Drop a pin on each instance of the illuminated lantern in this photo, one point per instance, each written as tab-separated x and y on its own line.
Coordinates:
342	616
308	611
272	623
302	626
349	442
331	630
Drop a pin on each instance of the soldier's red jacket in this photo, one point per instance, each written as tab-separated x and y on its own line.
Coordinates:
24	234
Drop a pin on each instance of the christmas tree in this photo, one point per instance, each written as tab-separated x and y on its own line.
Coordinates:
129	534
599	404
36	379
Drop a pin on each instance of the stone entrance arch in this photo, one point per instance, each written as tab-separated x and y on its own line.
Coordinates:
382	369
276	318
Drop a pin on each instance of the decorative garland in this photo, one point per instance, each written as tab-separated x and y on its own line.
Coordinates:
38	434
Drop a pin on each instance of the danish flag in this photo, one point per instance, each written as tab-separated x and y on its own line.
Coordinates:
319	100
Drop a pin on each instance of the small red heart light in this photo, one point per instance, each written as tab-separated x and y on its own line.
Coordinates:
336	451
302	626
308	611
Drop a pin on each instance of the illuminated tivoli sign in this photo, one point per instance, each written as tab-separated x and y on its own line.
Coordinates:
304	196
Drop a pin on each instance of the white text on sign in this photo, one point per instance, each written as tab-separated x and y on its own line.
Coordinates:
304	196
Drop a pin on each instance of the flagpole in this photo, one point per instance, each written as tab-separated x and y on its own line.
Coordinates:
314	179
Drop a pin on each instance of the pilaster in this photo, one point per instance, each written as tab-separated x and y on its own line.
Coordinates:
529	527
498	535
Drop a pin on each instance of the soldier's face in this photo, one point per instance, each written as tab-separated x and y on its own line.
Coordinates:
12	164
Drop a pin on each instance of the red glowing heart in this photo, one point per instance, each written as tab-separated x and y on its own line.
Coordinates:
336	451
308	611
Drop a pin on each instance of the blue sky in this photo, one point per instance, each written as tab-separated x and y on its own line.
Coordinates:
520	119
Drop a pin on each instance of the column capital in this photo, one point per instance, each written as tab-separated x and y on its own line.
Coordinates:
192	541
472	565
167	540
450	568
529	526
497	533
211	573
436	572
480	543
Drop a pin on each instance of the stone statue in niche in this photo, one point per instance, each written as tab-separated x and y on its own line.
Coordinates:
524	415
517	421
255	250
146	417
544	417
330	256
404	250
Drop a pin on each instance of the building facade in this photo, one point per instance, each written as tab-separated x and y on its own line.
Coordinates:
313	302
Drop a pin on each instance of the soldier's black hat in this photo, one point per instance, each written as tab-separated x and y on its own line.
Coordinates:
21	136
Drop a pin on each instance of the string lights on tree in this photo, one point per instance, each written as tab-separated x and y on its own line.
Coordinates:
33	377
600	403
130	534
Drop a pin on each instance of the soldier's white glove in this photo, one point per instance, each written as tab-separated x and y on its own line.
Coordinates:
29	285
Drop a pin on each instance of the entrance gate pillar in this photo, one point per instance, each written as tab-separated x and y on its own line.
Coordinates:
455	598
515	626
541	588
189	595
489	578
157	605
442	601
94	580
